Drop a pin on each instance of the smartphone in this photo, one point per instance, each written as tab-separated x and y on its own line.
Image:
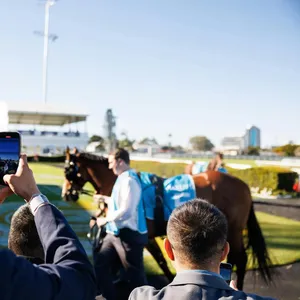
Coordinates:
225	271
10	148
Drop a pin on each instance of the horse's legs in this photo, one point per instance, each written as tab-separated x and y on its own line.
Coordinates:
155	251
238	256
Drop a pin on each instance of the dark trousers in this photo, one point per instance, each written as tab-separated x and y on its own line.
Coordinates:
125	250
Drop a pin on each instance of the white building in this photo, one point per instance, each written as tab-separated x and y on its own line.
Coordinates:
232	145
148	146
43	128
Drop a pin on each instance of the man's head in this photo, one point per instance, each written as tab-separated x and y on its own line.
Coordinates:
196	236
119	161
23	237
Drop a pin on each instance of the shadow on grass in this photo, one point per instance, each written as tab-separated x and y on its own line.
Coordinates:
74	213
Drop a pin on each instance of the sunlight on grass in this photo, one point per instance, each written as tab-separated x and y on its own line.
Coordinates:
282	237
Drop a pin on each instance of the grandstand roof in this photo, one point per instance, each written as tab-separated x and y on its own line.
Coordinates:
38	114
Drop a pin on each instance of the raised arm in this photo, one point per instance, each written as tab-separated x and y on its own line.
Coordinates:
67	273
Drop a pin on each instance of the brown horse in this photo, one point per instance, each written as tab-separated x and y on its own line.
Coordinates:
231	195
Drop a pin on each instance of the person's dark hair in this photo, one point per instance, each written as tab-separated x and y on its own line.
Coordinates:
23	238
121	153
197	231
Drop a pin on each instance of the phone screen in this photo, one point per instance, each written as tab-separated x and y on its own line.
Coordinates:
9	154
225	272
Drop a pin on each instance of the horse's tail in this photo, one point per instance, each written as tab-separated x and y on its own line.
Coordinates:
257	242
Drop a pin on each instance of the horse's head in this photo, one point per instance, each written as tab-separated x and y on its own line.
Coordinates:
85	167
76	176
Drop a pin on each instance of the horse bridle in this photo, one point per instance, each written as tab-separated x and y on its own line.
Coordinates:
72	174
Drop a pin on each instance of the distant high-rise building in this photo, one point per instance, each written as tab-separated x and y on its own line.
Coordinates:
252	137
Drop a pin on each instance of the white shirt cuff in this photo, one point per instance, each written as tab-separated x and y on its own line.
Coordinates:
36	202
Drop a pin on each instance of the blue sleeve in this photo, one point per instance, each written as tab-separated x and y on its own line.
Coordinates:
67	274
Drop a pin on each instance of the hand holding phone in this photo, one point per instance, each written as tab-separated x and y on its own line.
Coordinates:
225	271
22	183
10	147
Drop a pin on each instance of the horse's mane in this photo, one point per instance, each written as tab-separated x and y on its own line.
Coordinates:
94	158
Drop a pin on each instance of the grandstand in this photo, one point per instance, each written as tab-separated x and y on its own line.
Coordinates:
45	130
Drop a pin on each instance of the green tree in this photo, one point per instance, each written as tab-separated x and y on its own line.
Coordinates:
96	138
178	148
201	143
286	150
253	150
125	143
173	148
149	141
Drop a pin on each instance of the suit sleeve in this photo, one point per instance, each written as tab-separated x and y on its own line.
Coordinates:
67	274
146	293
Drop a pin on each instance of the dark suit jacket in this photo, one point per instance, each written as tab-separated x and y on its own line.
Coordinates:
67	274
33	260
192	286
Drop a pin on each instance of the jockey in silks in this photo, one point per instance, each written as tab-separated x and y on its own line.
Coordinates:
216	164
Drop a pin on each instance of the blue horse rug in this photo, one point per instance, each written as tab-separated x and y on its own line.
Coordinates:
177	190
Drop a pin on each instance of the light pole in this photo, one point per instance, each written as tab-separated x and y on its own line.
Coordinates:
110	125
46	35
170	139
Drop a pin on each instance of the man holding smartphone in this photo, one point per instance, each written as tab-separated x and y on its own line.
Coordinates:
67	272
196	244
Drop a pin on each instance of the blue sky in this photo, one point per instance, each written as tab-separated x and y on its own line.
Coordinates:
182	67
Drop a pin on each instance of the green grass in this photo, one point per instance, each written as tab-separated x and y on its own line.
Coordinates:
282	235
